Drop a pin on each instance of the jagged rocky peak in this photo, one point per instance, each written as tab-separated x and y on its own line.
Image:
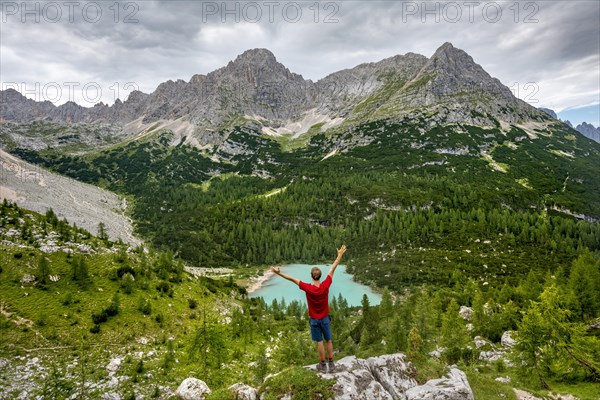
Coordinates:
341	91
454	70
258	66
11	94
170	89
256	56
453	85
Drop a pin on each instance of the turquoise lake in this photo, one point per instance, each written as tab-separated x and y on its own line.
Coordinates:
277	287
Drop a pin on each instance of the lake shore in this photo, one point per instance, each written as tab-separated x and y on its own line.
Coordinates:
257	282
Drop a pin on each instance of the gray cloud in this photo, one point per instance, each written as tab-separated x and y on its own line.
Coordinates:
560	53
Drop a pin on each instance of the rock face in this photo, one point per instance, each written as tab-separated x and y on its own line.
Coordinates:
453	387
192	389
449	87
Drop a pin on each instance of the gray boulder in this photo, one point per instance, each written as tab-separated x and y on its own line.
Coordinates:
356	381
453	387
192	389
244	392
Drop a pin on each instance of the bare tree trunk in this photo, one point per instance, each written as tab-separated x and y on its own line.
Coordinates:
539	373
587	365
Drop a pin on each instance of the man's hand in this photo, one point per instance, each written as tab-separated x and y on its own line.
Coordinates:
341	251
275	270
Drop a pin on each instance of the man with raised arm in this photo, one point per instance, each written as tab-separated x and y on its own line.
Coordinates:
317	297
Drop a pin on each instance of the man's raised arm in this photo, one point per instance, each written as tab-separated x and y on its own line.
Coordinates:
340	252
277	271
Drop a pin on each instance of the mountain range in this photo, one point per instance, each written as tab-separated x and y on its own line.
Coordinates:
256	88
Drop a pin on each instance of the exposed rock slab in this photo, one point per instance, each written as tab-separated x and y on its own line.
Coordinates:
453	387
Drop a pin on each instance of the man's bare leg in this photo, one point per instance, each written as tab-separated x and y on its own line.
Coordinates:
329	349
321	350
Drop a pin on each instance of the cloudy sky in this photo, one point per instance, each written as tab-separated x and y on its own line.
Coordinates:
547	52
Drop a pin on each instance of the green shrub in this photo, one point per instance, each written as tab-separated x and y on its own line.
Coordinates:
144	306
113	308
42	319
67	299
98	318
163	287
192	303
140	367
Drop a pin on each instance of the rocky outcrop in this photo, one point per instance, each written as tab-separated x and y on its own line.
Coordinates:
392	376
386	377
383	377
466	313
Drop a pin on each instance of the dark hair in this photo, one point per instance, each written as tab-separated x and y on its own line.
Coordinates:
315	273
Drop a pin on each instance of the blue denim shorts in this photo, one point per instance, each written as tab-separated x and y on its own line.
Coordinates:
320	329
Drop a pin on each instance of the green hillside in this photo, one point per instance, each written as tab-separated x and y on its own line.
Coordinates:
445	198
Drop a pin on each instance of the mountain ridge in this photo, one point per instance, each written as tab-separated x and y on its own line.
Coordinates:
254	87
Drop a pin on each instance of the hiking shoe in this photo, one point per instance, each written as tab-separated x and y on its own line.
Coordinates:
331	366
322	367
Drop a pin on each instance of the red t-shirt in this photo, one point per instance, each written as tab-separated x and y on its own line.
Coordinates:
317	298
